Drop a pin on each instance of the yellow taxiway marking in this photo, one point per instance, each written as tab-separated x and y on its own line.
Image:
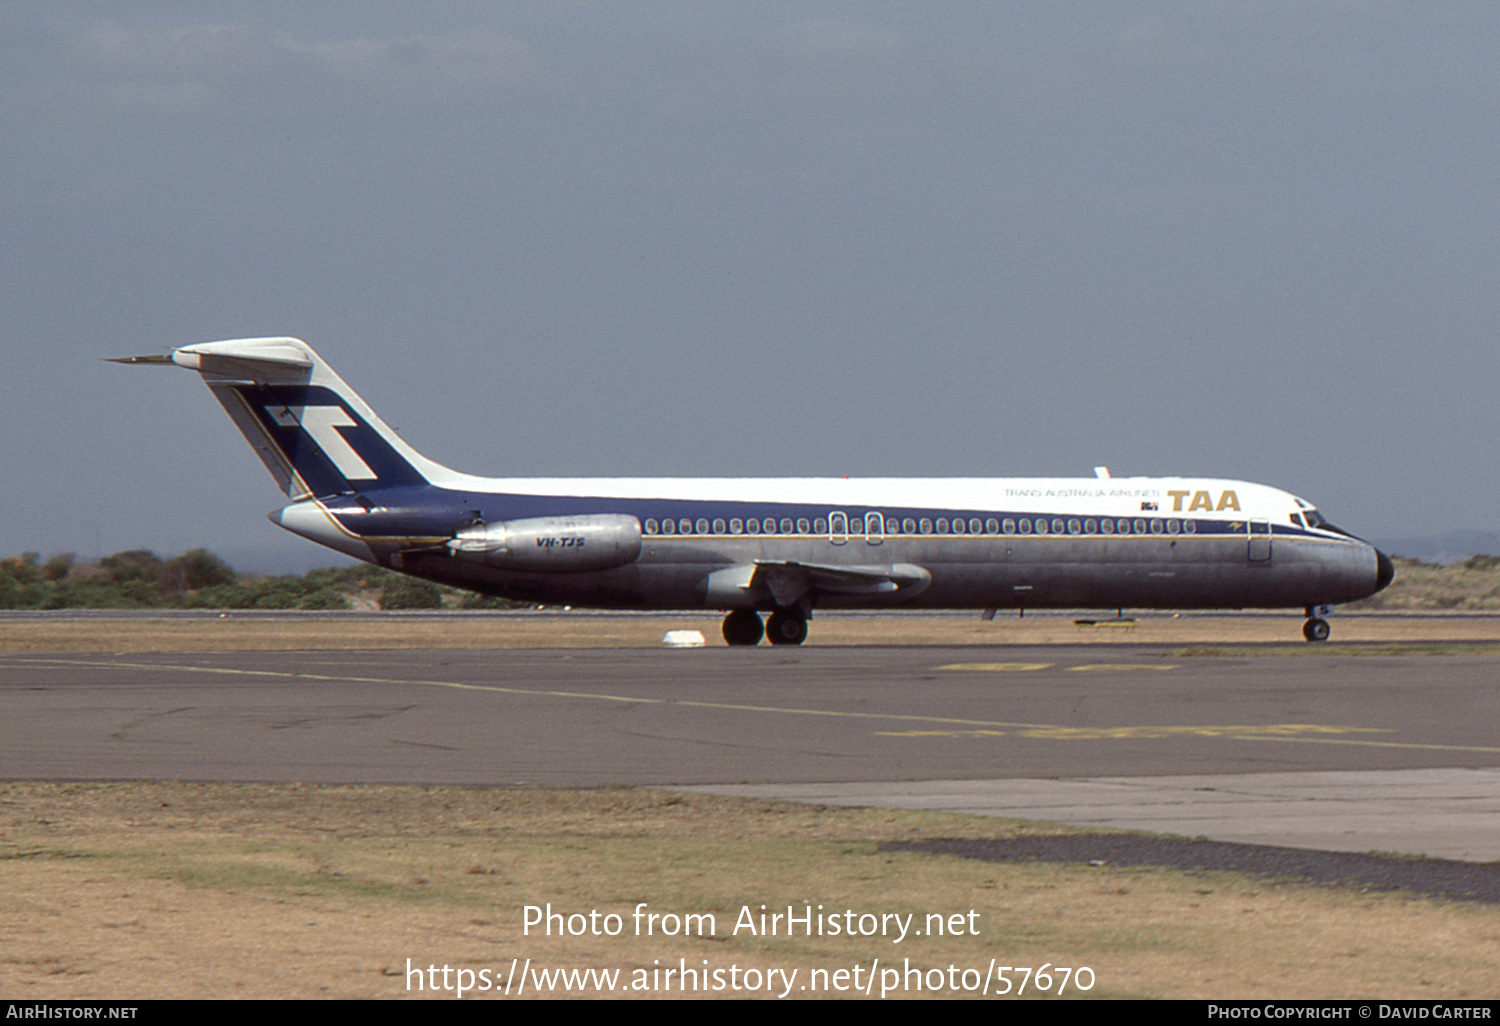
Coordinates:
1305	733
1033	667
1249	730
544	693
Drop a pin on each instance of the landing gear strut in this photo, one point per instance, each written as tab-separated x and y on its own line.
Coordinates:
743	627
1316	628
786	628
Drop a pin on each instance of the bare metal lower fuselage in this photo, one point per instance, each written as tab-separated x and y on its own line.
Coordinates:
966	573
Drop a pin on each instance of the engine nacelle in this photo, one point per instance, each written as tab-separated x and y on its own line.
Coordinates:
559	545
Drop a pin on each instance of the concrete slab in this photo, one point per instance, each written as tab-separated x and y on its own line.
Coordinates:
1444	813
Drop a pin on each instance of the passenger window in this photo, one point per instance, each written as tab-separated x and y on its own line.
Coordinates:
1089	527
702	526
1140	527
941	526
820	526
650	526
958	525
1008	526
735	526
719	527
752	526
1189	527
684	526
1075	527
1057	527
1041	525
992	526
1171	527
786	525
1107	526
1156	526
803	525
1025	526
667	527
925	526
908	526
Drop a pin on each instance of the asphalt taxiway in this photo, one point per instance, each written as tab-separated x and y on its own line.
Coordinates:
1346	752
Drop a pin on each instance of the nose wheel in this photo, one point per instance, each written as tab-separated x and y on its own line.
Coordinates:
1316	628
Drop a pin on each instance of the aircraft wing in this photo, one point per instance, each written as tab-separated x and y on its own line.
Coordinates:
790	582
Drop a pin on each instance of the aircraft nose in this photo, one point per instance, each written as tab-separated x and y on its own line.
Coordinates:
1385	570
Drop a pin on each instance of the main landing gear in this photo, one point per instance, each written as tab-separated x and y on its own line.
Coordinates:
743	627
1316	628
785	627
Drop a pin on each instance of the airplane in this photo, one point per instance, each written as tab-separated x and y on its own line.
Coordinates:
783	546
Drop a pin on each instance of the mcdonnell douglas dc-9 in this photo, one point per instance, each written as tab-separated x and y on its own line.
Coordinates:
782	547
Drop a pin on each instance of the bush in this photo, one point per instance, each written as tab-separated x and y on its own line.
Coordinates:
58	567
194	571
410	593
474	600
324	598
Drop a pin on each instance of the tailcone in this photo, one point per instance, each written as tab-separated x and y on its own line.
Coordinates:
312	520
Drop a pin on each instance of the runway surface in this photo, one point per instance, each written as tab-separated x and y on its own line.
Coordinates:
1379	752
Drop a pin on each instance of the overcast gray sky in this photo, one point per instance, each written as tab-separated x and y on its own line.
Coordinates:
1250	240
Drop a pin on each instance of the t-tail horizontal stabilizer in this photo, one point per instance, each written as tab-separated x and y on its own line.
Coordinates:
315	435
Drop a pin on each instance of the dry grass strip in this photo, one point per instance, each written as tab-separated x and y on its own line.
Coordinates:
156	890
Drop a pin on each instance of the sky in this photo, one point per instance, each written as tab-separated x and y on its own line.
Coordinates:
1252	240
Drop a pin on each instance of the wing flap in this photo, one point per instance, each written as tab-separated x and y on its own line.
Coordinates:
789	583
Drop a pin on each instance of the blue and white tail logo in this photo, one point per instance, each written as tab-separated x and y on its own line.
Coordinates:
323	444
319	423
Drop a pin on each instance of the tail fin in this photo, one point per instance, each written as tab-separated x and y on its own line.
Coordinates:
315	435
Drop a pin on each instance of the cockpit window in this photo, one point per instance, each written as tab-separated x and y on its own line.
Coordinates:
1318	520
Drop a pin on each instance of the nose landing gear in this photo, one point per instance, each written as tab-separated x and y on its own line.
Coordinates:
1316	628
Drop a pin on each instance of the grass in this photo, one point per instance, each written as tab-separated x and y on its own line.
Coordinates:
161	890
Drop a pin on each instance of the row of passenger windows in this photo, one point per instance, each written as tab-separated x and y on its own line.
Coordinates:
875	524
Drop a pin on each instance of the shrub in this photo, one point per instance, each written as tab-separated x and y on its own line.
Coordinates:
410	593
